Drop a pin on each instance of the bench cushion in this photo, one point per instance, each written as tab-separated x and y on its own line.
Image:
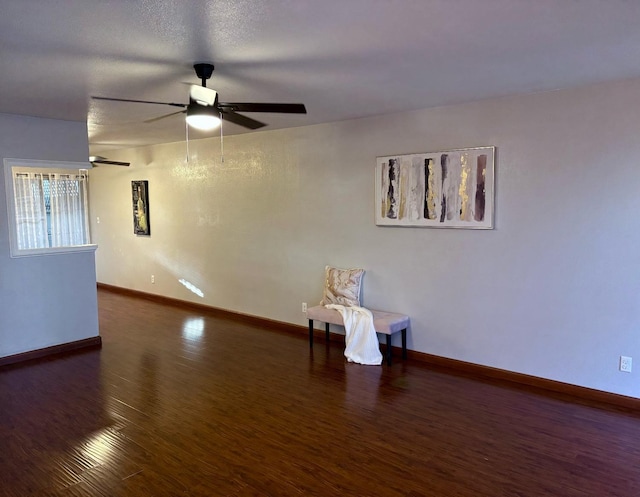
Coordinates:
383	321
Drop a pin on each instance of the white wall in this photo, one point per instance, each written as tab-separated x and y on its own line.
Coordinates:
551	292
44	300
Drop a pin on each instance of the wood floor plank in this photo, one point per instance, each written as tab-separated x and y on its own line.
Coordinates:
181	403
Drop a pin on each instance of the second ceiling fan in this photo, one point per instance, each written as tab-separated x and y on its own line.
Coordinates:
204	111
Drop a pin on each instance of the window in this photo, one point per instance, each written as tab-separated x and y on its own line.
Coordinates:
47	206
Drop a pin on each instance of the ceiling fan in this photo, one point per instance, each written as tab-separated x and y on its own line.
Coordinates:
204	111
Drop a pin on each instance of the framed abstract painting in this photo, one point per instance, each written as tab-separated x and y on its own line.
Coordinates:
451	189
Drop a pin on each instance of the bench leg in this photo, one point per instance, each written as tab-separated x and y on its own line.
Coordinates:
388	350
311	333
326	331
404	344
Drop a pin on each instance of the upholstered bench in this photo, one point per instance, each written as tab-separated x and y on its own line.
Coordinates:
386	323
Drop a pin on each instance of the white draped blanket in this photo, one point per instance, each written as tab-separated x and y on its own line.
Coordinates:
361	340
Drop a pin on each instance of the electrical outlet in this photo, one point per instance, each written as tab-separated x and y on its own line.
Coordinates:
304	307
153	279
625	363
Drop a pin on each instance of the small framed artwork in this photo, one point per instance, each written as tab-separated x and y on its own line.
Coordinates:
140	197
451	189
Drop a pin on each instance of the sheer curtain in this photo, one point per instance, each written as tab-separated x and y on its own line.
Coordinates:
68	208
51	210
31	216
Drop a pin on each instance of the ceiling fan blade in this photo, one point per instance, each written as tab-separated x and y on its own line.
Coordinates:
110	162
139	101
241	120
257	107
154	119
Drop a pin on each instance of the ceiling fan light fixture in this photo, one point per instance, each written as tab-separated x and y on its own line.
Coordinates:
202	118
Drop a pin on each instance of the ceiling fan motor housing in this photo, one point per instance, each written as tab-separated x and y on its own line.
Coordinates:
204	96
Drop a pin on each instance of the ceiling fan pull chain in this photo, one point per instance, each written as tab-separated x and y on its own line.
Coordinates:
187	139
221	141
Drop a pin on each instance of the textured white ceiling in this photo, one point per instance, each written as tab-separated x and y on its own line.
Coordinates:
343	58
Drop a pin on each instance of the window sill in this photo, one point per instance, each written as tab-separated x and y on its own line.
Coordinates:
53	251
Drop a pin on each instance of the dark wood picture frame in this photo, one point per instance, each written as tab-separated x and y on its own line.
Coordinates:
140	199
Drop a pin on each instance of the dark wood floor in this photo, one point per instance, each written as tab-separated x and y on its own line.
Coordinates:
183	404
